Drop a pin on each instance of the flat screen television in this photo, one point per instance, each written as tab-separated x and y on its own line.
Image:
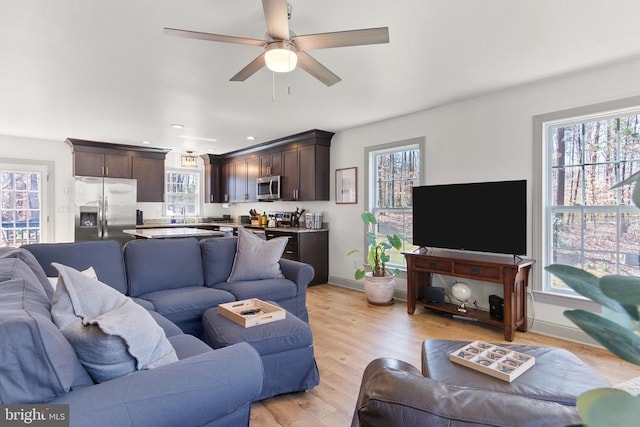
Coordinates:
481	217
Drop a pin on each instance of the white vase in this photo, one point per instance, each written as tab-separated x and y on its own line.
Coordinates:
379	290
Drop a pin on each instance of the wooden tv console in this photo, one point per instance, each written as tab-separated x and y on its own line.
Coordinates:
511	272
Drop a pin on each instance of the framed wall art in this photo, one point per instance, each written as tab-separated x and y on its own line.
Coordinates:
347	185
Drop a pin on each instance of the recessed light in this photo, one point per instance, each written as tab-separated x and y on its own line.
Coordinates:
177	126
146	142
210	150
251	138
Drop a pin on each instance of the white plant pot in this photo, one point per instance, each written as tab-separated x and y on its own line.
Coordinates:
379	290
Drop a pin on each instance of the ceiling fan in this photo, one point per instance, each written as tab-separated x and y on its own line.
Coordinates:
283	50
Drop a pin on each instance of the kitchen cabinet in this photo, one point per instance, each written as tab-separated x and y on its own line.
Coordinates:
271	164
305	173
242	175
227	182
213	189
99	164
103	159
302	160
310	247
149	172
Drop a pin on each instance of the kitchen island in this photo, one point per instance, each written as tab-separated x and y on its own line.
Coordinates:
172	232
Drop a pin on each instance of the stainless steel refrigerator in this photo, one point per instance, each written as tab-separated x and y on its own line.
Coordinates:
104	207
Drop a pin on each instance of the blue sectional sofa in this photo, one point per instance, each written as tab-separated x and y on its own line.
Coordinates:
176	280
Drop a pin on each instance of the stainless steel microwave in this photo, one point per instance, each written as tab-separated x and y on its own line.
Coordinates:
268	187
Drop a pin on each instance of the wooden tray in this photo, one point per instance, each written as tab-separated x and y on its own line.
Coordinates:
490	359
236	311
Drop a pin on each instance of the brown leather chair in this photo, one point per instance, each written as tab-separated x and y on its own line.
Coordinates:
395	393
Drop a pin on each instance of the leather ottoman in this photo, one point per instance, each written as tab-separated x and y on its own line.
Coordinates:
557	376
285	347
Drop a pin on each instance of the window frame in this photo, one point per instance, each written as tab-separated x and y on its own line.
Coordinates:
542	228
197	194
371	176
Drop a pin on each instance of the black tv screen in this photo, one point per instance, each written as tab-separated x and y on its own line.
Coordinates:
482	217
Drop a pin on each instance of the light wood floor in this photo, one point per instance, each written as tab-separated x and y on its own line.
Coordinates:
348	334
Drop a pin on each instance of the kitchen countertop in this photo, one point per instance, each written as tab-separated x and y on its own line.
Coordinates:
169	232
230	225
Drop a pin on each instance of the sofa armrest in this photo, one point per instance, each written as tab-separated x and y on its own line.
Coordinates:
298	272
190	392
394	393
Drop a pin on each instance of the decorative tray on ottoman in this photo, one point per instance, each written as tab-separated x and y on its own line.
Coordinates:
490	359
251	312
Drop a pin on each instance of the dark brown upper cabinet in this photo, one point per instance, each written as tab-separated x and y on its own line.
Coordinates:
102	159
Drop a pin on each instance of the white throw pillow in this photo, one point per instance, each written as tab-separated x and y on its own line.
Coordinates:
89	272
111	334
257	258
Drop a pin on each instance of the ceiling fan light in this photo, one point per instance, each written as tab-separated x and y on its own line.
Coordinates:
280	57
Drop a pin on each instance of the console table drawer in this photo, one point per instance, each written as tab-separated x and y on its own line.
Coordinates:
485	272
434	264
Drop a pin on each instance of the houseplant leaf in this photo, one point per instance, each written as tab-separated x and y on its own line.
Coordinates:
608	407
395	241
622	342
368	218
584	283
625	289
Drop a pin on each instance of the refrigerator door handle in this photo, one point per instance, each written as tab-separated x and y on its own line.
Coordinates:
105	215
100	218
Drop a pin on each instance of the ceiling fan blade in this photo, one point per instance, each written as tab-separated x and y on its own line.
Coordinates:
212	37
277	18
249	70
316	69
342	38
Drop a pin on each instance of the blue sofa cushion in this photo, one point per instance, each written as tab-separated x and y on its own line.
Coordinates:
37	363
105	256
160	264
217	256
27	294
185	304
267	289
111	334
27	268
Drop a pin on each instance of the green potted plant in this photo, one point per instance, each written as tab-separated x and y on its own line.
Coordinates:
617	329
379	283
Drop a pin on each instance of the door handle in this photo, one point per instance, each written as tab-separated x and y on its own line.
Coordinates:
105	222
100	216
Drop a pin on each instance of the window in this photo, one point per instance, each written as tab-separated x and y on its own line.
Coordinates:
183	193
586	223
22	207
394	170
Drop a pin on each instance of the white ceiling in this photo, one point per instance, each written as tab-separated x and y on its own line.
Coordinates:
103	70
